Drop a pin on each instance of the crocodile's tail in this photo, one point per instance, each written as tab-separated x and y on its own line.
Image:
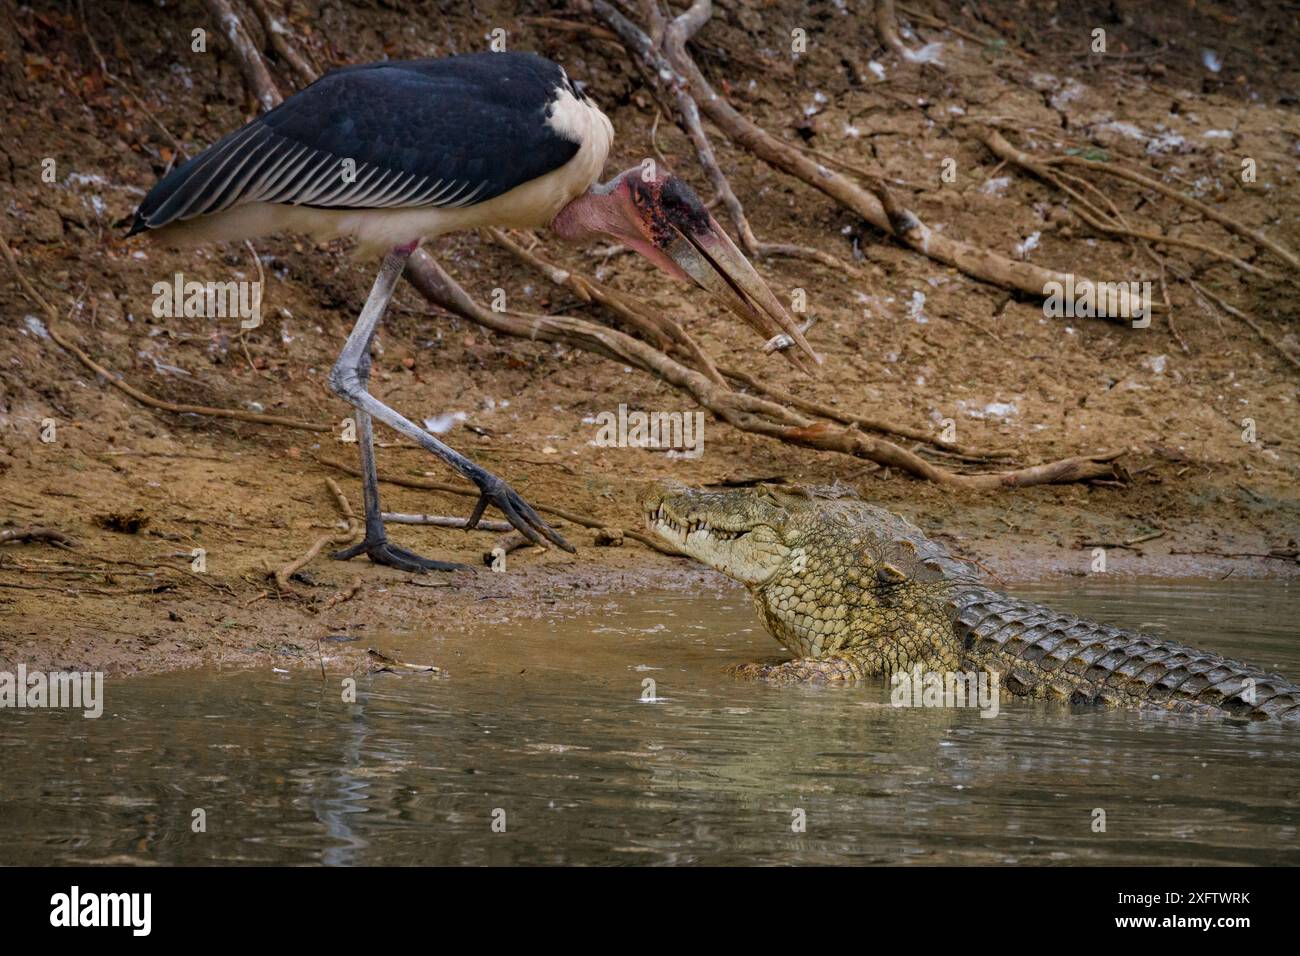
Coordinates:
1042	653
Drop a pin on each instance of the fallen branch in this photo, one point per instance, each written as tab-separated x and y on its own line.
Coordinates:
505	544
20	535
443	521
382	662
972	260
340	539
337	598
1130	544
73	591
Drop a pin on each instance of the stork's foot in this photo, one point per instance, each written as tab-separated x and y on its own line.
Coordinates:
518	512
382	551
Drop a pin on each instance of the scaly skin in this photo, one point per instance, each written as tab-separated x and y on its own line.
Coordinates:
854	591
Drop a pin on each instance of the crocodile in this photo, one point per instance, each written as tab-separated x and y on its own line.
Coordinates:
854	591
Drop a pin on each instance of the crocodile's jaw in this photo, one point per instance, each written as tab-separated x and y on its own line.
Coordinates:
744	545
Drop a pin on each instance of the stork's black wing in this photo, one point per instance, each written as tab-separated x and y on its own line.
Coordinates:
445	132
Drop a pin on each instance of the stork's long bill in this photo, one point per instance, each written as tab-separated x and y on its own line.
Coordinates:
662	218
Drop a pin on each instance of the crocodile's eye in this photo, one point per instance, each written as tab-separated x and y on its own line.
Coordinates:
888	574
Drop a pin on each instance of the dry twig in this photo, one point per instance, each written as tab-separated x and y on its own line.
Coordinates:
341	539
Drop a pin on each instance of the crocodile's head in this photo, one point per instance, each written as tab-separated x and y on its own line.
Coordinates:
822	572
747	534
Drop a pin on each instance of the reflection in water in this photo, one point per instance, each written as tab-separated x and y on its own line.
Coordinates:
618	738
349	797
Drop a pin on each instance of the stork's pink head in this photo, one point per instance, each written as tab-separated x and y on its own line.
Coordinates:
659	215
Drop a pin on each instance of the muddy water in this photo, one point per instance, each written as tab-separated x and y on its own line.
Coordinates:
554	732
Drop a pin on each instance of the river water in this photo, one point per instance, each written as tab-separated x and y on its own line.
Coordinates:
617	737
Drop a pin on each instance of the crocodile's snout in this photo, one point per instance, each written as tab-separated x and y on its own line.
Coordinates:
737	532
678	512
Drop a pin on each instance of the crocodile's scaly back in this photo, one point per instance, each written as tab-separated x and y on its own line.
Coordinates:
1040	652
856	591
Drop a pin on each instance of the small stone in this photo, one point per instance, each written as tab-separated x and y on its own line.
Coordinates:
609	538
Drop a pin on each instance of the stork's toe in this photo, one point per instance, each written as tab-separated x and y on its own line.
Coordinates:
383	551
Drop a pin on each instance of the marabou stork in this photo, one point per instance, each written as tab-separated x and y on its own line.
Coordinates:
391	153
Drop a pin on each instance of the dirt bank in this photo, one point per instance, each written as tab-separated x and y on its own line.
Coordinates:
907	340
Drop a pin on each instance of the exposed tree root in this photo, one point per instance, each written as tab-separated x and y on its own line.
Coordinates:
248	59
860	421
689	112
670	54
276	34
938	24
1004	150
1209	212
741	411
661	329
591	290
1255	326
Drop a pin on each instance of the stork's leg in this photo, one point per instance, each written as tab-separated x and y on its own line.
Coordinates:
350	379
375	544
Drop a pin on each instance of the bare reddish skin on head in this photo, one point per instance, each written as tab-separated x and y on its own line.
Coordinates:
667	207
632	211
